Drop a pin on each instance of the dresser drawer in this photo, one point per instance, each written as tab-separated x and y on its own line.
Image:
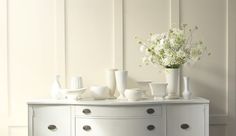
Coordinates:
118	111
119	127
51	121
185	120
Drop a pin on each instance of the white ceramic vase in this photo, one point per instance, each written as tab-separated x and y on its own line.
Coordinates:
121	82
56	89
111	81
186	93
173	80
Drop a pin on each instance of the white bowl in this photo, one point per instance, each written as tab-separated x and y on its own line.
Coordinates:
134	94
99	92
73	94
158	89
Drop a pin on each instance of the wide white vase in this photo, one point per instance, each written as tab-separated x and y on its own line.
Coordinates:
173	80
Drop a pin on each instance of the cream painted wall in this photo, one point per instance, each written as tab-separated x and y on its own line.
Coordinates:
39	38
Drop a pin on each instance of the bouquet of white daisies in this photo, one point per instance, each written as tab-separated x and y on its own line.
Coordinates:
173	48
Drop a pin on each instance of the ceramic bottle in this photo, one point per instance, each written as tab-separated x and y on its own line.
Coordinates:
56	89
186	92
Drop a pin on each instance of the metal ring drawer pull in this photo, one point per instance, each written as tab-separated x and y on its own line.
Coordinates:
86	111
150	127
87	128
52	127
184	126
150	111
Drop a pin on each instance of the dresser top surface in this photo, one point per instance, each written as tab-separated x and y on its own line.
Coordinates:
89	101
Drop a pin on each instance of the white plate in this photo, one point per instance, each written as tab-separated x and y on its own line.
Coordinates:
74	90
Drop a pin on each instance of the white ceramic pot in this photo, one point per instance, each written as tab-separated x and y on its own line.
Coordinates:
173	80
158	90
111	81
73	94
99	92
121	82
144	85
186	93
76	82
134	94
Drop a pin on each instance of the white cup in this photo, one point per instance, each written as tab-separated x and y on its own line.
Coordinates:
76	82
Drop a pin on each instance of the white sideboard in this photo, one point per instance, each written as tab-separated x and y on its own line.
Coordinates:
119	118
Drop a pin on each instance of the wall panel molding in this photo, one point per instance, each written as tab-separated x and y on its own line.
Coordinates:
118	28
4	66
231	21
60	39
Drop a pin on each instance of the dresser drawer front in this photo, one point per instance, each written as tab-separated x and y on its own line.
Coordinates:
185	120
51	121
119	127
118	111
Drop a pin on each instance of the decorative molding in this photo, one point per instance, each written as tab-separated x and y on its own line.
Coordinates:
215	119
118	26
60	39
231	51
4	78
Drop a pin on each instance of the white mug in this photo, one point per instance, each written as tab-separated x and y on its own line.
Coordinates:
76	82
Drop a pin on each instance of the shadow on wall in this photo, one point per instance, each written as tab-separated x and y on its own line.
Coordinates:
209	81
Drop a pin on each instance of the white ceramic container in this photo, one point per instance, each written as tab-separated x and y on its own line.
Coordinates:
76	82
73	94
111	81
187	94
121	82
99	92
158	90
134	94
56	89
144	85
172	78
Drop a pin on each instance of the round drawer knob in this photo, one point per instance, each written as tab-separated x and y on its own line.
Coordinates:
150	111
86	128
86	111
52	127
150	127
184	126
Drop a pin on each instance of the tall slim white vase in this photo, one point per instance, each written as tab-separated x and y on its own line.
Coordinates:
111	81
173	80
121	82
187	94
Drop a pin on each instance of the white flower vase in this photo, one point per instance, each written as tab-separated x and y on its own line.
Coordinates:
173	80
186	93
121	82
56	89
111	81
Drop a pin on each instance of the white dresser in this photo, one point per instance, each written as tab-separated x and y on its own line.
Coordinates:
119	118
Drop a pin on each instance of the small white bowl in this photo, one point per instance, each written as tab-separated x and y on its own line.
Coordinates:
73	94
99	92
158	89
134	94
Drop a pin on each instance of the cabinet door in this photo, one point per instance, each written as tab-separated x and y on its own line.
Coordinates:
185	120
51	121
118	127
